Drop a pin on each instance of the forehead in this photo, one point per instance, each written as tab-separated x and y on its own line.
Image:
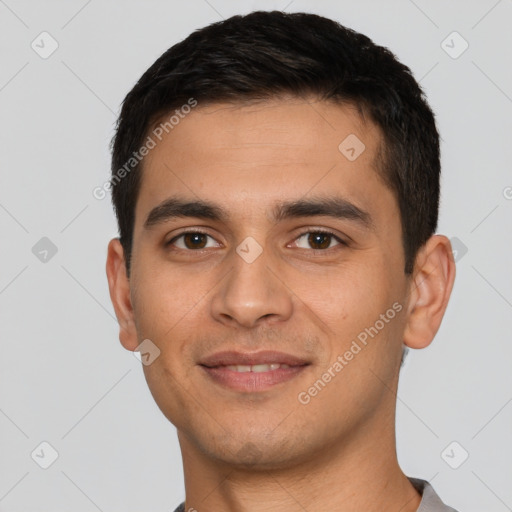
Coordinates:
296	121
245	155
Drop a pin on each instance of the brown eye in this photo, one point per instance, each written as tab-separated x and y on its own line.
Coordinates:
191	241
318	240
194	240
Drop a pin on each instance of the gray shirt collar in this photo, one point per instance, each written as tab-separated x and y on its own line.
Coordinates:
430	501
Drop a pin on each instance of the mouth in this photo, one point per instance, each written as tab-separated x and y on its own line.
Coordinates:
250	372
257	368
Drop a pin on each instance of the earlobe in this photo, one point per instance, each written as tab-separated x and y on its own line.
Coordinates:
119	288
431	286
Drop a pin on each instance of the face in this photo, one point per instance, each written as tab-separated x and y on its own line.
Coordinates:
295	247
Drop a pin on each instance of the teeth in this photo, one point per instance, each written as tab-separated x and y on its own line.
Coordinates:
264	367
256	367
240	368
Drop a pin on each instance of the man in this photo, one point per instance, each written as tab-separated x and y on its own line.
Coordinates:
276	184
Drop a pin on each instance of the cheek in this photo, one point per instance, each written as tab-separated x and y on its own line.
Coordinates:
166	308
161	297
350	303
346	297
169	308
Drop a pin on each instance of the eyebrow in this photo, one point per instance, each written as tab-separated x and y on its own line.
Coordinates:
335	207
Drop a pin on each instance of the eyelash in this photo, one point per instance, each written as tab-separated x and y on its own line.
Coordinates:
300	235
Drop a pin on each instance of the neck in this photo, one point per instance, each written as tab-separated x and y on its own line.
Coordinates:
361	473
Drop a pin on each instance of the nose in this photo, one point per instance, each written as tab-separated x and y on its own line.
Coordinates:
251	293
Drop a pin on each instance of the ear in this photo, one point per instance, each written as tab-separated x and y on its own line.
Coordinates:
119	287
430	289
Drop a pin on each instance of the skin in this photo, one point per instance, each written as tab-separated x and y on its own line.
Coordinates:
261	451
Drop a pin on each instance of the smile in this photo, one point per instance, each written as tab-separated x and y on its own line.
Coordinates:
252	378
255	367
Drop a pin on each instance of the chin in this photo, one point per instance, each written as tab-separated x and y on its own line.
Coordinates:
257	455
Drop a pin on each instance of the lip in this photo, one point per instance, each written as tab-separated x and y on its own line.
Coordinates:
232	357
215	366
252	381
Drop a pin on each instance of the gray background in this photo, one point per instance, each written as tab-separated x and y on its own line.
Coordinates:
64	377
